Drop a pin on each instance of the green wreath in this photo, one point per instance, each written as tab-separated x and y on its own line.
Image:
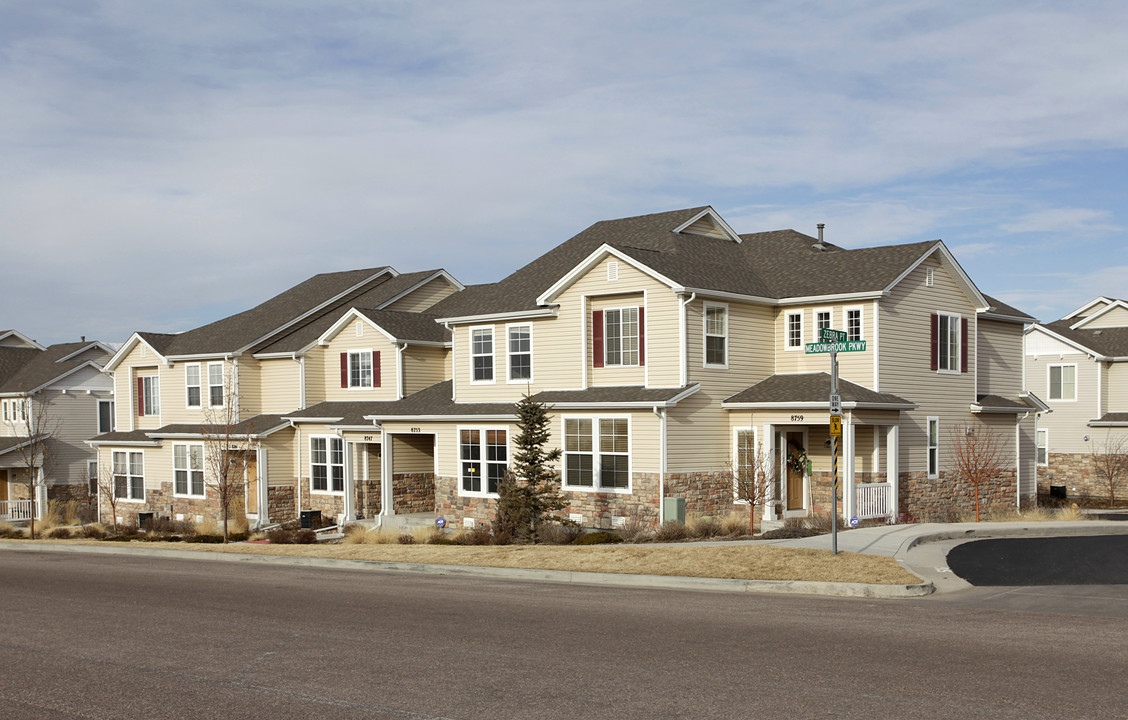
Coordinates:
798	461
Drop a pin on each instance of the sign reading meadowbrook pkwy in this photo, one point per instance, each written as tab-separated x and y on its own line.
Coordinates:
826	347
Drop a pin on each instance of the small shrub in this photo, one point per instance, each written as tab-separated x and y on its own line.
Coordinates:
94	531
670	531
354	535
280	536
60	533
201	538
600	537
406	539
305	537
10	531
704	527
789	533
479	535
735	524
636	532
444	540
208	527
563	533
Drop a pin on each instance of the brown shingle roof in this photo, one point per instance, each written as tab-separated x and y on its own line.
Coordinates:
420	327
1001	308
431	401
1112	342
619	394
810	388
42	366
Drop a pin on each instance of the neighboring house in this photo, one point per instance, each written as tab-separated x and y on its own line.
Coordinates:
51	400
1079	366
235	378
670	350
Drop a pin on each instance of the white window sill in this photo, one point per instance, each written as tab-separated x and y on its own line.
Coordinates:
472	494
601	490
339	493
131	500
189	497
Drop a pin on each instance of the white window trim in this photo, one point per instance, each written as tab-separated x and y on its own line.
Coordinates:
92	474
371	368
802	329
203	466
959	340
638	350
705	335
815	322
736	455
113	475
1049	384
199	386
595	466
222	374
928	447
861	321
113	419
148	380
492	354
483	461
328	465
508	365
1047	446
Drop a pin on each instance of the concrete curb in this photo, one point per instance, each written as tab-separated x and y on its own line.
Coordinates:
1019	530
655	582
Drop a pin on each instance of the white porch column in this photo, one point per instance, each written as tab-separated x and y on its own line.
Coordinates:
849	494
386	474
767	439
40	494
350	481
892	446
263	471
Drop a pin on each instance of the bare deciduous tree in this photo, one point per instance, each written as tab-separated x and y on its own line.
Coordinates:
40	429
107	489
225	452
753	477
977	455
1110	463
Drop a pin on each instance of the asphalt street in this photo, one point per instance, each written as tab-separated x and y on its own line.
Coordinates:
90	636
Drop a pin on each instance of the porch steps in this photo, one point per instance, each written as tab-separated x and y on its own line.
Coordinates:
398	523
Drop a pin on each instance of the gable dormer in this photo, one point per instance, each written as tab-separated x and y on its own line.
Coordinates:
1114	314
1089	308
708	224
16	339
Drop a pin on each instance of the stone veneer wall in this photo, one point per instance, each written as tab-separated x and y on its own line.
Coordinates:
368	500
163	503
705	493
330	505
413	493
280	503
945	498
1076	471
78	494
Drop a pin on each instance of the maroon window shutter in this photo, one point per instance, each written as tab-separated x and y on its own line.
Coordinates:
376	369
963	345
344	370
141	397
935	341
597	338
641	337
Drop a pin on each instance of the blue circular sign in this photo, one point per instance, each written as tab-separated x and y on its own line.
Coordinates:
440	521
854	522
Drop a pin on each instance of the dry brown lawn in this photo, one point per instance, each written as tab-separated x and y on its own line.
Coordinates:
746	561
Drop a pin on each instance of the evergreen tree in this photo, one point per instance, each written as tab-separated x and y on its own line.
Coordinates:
529	494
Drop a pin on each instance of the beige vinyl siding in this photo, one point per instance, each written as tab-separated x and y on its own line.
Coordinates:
705	226
125	404
279	381
413	453
424	366
249	387
751	347
1068	423
443	437
347	340
1116	387
317	364
612	374
999	358
853	366
281	454
699	435
1117	317
147	422
424	297
157	467
174	394
905	361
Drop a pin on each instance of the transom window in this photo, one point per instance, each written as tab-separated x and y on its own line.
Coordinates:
484	458
129	475
1063	382
360	369
794	330
621	336
597	453
521	352
215	384
192	383
716	335
326	465
188	469
482	355
948	342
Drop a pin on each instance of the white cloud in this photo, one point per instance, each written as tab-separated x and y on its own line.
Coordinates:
1071	221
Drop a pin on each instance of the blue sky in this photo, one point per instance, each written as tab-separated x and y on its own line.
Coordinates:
167	164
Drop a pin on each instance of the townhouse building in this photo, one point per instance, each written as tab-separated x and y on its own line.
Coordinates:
51	400
670	350
1078	365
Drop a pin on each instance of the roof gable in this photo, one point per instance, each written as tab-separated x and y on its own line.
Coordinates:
15	338
1113	314
1090	307
590	263
710	224
948	261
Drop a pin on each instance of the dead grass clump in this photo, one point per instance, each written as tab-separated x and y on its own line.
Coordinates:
670	531
7	530
559	534
635	531
406	539
735	524
704	527
93	531
207	527
238	524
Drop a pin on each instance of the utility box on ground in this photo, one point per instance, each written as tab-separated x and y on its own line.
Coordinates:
673	508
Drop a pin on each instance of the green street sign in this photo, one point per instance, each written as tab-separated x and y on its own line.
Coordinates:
832	336
825	347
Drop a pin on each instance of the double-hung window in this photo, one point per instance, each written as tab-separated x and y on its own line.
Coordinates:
853	324
192	383
215	384
482	355
933	447
1042	447
360	369
149	400
326	465
716	336
794	330
188	469
520	352
92	476
597	453
822	322
621	336
948	342
105	416
129	475
1063	382
483	459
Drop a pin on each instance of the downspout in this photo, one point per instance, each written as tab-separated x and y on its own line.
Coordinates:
235	388
298	489
661	413
453	364
683	339
399	371
301	381
1018	460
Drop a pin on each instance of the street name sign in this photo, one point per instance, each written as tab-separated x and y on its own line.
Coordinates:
832	336
836	347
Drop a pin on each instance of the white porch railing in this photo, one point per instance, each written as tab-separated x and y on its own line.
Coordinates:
874	500
15	510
